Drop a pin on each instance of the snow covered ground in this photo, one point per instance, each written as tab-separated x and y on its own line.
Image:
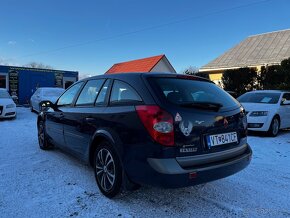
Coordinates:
36	183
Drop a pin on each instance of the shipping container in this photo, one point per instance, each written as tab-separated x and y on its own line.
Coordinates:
21	82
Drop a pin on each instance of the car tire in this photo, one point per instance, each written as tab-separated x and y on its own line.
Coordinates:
274	127
42	137
108	169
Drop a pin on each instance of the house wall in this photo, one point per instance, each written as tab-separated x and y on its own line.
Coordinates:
163	66
215	77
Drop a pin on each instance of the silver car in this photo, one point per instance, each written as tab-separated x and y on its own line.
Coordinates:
44	94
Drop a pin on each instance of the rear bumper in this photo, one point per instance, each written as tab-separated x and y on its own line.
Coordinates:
169	173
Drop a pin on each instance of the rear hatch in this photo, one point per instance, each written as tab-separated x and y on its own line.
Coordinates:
206	119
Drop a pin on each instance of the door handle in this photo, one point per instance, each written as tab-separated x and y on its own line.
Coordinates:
90	119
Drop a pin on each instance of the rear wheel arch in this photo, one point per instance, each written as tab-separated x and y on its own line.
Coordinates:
98	138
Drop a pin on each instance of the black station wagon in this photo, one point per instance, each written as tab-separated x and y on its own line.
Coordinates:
159	129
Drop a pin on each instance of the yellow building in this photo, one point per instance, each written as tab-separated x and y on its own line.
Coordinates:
255	51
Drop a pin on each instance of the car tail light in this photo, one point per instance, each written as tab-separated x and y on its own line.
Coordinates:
158	123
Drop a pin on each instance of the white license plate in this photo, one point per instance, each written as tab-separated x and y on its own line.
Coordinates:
222	139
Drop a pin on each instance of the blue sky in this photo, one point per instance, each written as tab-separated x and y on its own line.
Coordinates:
91	35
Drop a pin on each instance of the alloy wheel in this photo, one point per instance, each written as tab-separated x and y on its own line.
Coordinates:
105	169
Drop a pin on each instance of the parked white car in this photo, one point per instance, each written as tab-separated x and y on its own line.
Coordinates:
44	94
7	105
267	110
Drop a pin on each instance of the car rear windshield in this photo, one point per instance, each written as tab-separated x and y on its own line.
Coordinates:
193	93
259	97
4	94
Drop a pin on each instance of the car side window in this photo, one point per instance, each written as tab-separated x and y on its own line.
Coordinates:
69	95
102	95
89	93
286	96
123	93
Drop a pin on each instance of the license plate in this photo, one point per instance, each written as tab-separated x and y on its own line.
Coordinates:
222	139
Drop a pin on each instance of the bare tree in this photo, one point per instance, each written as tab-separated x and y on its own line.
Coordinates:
38	65
190	70
195	71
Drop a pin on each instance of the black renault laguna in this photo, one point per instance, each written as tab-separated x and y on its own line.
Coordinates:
160	129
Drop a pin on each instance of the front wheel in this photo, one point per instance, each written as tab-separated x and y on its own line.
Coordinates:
42	138
274	127
108	170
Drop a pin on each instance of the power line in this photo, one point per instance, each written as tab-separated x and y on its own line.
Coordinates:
146	28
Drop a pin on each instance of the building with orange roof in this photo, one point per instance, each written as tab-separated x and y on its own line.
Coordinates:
151	64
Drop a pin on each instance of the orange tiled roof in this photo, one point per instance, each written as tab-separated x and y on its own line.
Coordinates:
140	65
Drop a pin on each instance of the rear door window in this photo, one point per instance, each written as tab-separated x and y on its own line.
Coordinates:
89	93
192	93
123	93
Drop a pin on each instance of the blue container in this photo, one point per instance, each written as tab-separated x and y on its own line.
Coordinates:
22	81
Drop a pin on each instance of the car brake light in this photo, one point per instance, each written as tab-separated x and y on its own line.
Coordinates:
158	123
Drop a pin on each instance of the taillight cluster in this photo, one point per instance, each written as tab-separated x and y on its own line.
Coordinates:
158	123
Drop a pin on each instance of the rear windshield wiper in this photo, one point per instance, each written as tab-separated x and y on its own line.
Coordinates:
203	105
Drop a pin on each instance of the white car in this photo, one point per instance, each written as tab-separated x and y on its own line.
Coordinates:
7	105
267	110
44	94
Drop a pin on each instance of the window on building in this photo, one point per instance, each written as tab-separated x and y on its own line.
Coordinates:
68	97
3	81
90	92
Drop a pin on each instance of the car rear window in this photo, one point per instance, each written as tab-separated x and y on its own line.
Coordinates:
192	92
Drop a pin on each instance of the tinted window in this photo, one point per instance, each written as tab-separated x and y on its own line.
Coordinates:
286	96
123	93
102	96
260	97
187	91
68	97
90	92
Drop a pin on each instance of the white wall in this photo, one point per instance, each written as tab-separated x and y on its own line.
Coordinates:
163	66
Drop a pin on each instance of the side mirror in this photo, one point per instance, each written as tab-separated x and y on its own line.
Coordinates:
45	105
285	102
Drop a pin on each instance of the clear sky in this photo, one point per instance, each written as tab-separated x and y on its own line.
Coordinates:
91	35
